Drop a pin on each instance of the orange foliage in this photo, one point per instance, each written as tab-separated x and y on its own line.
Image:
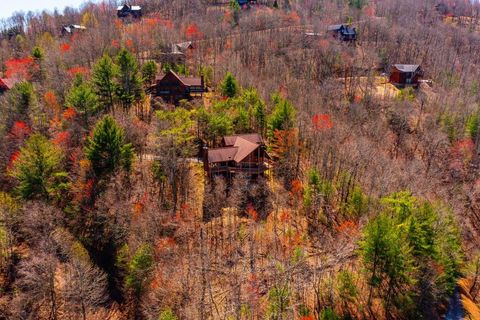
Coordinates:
51	100
20	68
284	216
322	122
69	114
61	138
252	213
192	32
20	130
129	43
115	44
347	227
13	157
310	317
65	47
77	70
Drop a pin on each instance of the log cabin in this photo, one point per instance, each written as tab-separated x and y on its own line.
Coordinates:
244	153
403	75
342	32
173	87
126	11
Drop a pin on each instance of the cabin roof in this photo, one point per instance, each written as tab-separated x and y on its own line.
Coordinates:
238	147
335	27
8	83
407	67
252	137
71	27
187	81
131	8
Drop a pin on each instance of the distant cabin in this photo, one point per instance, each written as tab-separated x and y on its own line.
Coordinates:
246	3
72	28
403	75
7	84
126	11
182	47
173	87
342	32
243	153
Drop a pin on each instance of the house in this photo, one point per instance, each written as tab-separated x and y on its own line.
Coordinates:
182	47
244	153
126	11
7	84
246	3
403	75
173	87
342	32
72	28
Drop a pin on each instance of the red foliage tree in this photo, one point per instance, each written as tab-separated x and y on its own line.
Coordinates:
20	68
192	32
322	122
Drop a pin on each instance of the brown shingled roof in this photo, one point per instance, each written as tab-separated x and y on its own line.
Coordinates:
252	137
187	81
238	147
222	154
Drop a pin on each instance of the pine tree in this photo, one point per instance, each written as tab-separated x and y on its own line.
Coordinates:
229	86
149	71
38	169
83	99
103	79
139	268
283	115
130	86
106	148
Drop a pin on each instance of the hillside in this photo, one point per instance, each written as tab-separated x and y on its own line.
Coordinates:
202	159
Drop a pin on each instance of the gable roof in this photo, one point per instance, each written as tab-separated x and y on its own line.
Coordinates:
407	67
222	154
187	81
8	83
238	147
252	137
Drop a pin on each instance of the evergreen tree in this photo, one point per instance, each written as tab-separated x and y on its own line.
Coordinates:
139	269
83	99
103	79
130	86
106	148
38	169
386	257
149	71
283	115
229	87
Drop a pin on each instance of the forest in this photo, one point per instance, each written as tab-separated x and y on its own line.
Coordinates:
207	159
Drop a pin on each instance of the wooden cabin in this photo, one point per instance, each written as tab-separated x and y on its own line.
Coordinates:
403	75
244	153
7	84
71	29
246	3
126	11
342	32
173	87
